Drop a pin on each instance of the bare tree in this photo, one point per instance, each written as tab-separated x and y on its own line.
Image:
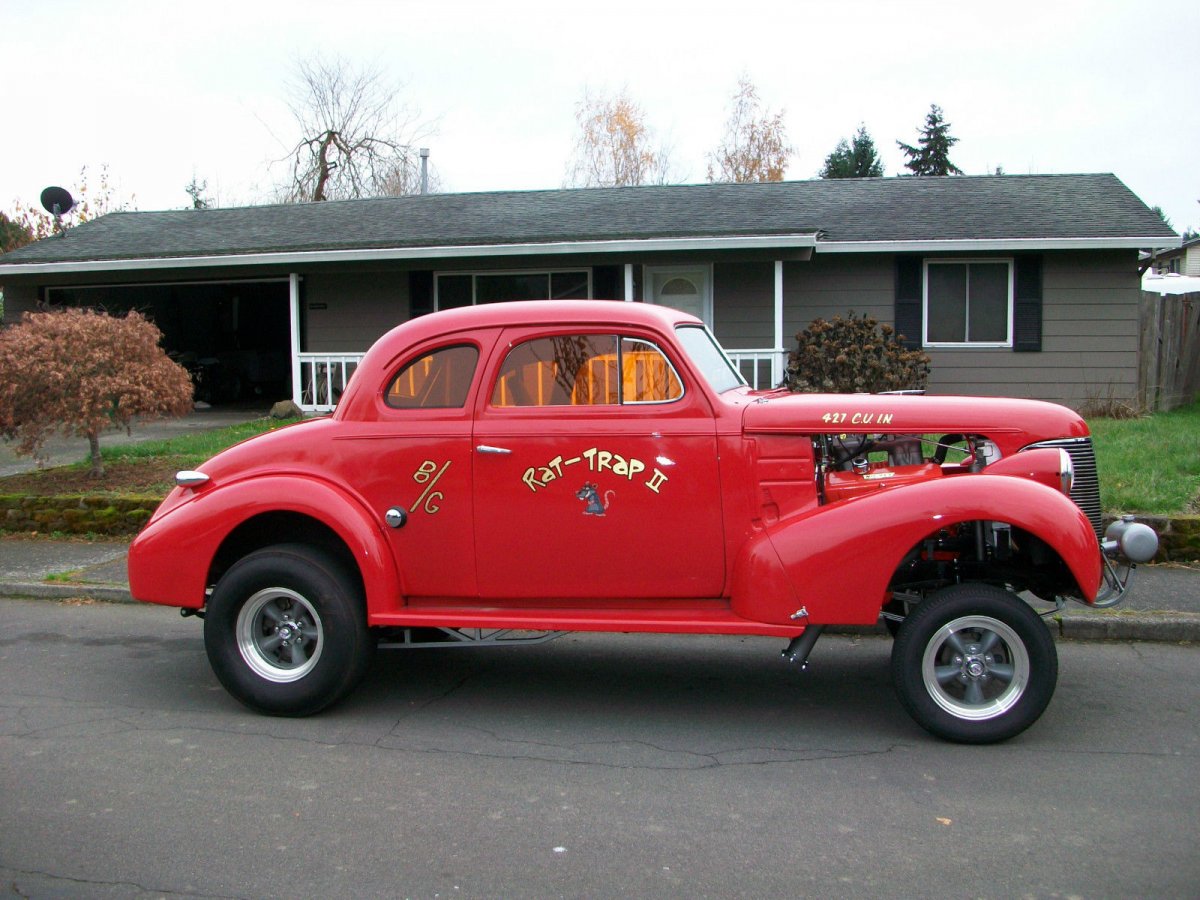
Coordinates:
615	146
755	146
357	137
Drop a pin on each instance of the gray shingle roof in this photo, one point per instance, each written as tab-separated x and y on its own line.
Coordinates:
1008	207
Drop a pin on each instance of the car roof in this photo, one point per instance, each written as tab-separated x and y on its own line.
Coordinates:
541	312
588	314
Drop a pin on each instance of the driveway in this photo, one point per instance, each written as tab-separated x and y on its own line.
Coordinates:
60	450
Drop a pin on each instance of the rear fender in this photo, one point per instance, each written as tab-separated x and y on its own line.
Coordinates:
170	559
836	561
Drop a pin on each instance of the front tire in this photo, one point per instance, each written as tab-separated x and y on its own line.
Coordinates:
286	631
974	664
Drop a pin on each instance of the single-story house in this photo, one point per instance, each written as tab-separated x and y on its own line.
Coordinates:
1181	260
1017	285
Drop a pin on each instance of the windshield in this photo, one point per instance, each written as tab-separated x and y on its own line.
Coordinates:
709	358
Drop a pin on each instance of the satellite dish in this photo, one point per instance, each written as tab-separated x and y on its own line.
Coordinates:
57	201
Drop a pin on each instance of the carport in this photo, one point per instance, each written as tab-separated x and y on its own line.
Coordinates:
233	336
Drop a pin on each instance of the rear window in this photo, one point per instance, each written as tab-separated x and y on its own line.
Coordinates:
440	379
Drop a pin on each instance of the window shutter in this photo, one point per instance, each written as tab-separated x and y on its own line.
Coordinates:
908	300
1027	304
420	293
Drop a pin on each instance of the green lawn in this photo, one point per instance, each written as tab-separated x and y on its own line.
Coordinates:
192	449
1150	465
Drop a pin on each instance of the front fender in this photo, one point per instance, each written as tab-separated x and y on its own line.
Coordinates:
170	559
836	561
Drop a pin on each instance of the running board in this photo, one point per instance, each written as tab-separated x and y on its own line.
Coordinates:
678	620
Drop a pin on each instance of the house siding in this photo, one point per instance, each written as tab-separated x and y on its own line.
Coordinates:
836	284
1089	338
18	299
744	304
347	312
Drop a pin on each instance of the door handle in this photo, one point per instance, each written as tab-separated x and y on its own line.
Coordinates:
484	448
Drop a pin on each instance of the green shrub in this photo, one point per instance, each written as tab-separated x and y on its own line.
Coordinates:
854	355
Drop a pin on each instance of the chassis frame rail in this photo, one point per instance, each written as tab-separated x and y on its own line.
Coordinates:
425	637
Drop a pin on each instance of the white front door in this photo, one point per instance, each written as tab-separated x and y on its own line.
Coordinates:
686	288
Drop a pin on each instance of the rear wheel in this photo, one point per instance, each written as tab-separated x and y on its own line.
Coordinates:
974	664
286	630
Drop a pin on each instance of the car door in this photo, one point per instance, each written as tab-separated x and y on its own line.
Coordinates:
412	465
595	472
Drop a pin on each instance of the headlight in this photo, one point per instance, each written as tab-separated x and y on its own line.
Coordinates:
1066	472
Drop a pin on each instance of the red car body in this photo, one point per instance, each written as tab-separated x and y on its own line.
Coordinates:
640	490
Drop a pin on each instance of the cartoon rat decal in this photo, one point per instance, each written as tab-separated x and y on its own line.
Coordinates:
590	495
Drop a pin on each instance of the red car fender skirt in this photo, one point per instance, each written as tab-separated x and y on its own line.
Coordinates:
170	559
837	560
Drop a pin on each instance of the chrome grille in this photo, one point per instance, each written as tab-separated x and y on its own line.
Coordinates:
1086	491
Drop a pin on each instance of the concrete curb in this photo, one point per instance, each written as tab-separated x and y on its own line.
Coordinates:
1163	627
22	590
1168	627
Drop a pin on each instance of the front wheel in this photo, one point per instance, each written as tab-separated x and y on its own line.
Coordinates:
974	664
286	630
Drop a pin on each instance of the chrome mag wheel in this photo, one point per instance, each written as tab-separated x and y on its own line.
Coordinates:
280	635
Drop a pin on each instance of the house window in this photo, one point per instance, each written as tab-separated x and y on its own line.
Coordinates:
968	303
456	289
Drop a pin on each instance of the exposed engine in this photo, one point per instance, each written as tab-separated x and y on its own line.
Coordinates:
849	465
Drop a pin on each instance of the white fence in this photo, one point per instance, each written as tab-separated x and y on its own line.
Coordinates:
761	368
323	376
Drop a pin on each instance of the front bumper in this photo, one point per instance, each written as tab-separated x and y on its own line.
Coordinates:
1126	543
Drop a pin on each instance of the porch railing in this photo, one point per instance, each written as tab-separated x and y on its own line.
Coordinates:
323	378
761	368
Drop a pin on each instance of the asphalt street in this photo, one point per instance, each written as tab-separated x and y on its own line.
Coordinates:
596	765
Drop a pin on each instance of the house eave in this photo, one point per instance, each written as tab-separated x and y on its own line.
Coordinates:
806	240
984	244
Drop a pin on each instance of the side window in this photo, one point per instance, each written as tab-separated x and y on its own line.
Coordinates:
440	379
585	370
646	375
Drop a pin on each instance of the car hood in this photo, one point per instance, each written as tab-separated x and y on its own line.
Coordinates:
1021	421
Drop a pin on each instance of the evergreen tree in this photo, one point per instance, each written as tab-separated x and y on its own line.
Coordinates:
857	159
931	156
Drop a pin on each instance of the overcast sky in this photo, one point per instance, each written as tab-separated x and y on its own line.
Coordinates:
161	91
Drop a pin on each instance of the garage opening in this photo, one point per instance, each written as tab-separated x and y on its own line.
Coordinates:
232	337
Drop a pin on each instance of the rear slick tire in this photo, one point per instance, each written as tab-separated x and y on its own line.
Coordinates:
286	631
974	664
